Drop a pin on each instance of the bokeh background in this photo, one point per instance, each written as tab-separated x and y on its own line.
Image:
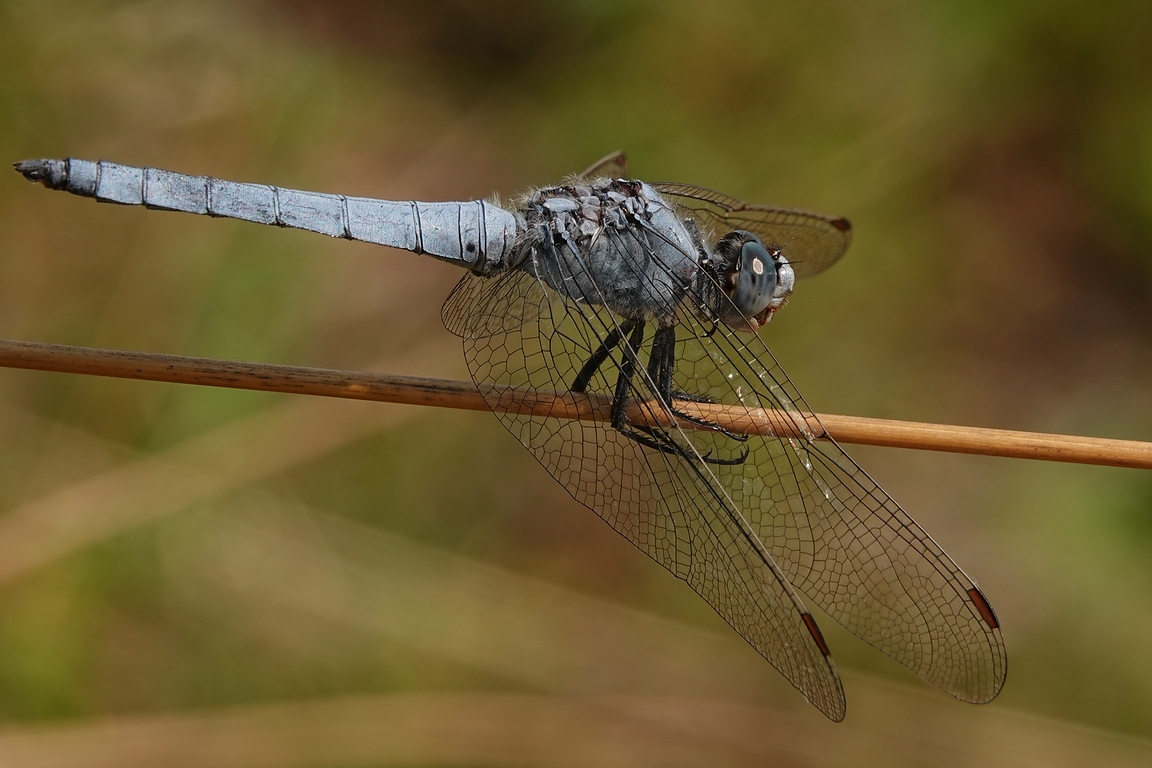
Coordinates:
218	578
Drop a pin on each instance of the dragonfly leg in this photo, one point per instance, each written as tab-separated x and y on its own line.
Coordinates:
652	437
661	366
624	379
611	341
662	362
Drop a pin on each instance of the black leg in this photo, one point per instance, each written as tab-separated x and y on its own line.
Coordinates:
611	341
624	380
661	364
661	367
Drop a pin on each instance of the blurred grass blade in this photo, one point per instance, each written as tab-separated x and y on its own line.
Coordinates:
199	469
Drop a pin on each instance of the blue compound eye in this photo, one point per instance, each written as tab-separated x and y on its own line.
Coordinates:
755	279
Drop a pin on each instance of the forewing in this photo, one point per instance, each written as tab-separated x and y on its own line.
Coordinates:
670	507
812	242
841	540
817	520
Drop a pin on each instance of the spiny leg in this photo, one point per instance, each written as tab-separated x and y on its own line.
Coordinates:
662	362
661	367
611	341
624	378
652	437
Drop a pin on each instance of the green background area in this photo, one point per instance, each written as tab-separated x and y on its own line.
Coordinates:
174	558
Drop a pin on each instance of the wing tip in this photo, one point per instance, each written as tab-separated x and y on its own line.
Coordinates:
984	695
835	706
836	714
817	635
983	607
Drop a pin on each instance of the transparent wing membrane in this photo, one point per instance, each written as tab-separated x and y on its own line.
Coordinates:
670	507
742	520
811	241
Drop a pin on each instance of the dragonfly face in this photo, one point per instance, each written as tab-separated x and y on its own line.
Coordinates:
756	279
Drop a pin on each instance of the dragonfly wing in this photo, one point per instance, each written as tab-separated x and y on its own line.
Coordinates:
796	511
493	307
612	166
671	508
841	540
813	242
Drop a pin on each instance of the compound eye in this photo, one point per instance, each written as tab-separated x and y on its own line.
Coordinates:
755	279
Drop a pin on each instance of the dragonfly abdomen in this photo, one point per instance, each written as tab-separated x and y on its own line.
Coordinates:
476	235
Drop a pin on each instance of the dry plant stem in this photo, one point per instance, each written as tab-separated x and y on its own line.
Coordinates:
456	394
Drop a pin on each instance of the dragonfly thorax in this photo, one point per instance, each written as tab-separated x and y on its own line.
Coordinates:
611	242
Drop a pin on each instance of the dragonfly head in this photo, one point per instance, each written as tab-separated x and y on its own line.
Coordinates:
756	278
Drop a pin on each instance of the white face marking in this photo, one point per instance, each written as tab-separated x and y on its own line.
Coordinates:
758	266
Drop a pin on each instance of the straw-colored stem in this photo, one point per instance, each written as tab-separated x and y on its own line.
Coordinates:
567	405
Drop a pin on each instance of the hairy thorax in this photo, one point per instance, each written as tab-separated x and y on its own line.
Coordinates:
612	242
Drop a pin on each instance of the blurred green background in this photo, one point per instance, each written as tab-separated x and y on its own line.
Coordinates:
202	577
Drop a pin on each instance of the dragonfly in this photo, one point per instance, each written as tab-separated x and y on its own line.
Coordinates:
652	296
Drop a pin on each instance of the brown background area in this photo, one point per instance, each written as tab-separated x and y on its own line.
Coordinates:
226	578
